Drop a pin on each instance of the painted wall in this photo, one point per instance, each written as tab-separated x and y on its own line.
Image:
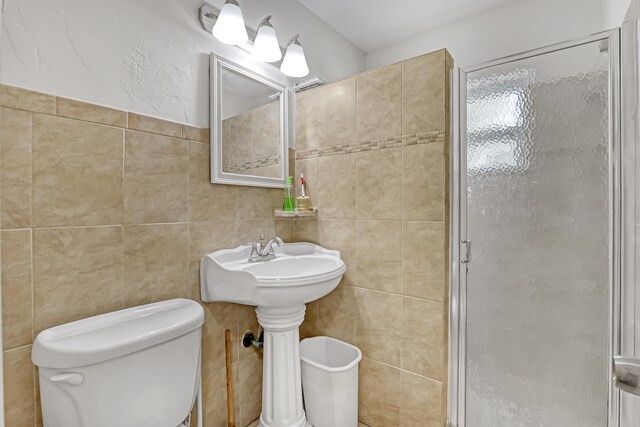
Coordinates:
147	56
512	29
614	12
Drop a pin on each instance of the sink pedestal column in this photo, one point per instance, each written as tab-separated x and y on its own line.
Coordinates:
281	378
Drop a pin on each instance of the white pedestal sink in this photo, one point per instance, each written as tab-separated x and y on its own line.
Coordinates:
280	288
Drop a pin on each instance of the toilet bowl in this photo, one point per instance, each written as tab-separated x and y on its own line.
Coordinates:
138	367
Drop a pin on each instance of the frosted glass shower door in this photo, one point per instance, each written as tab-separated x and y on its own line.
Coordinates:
538	186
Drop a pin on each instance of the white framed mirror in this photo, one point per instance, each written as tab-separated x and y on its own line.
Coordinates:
249	126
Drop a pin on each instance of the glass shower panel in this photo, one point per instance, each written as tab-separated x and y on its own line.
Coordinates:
537	332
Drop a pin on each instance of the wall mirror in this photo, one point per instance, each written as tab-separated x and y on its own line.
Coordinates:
250	126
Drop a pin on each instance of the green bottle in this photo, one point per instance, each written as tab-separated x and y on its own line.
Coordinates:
289	201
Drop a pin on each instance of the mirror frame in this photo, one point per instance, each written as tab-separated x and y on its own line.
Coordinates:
218	176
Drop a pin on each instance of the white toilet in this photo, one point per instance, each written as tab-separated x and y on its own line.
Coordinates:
138	367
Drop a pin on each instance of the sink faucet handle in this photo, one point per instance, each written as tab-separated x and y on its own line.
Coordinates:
254	249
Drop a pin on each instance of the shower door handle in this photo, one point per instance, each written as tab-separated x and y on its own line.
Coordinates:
467	257
626	374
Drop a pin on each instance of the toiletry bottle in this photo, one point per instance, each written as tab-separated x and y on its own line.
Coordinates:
304	201
289	200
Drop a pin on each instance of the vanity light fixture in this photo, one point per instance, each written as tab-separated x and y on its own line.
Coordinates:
229	27
294	63
266	47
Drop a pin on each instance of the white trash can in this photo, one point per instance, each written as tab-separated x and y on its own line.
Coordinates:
330	381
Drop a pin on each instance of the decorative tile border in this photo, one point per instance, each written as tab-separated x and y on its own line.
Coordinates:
376	144
266	161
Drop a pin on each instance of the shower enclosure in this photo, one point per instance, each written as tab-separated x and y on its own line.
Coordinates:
542	209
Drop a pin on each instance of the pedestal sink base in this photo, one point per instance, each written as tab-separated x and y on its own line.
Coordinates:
281	377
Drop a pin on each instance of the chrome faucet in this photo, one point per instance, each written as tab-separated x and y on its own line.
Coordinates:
261	251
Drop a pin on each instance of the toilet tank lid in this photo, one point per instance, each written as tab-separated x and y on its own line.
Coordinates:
108	336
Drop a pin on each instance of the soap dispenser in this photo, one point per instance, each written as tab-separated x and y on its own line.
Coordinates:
289	200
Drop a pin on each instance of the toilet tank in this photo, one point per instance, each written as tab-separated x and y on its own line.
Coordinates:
138	367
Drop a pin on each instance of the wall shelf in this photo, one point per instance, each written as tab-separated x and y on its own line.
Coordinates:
312	214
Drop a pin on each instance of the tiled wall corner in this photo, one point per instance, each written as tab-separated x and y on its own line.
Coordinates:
102	209
374	150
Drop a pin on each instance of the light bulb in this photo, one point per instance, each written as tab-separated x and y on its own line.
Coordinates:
294	63
266	47
229	27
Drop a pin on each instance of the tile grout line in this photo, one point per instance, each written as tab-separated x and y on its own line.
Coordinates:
355	187
402	260
124	253
31	267
403	370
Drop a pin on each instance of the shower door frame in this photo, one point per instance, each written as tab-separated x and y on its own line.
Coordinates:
456	401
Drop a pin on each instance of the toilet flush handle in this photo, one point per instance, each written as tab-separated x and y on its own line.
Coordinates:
72	378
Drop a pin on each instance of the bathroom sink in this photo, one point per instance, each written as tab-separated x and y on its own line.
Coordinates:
279	281
299	273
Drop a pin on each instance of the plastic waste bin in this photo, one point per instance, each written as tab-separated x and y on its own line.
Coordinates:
330	381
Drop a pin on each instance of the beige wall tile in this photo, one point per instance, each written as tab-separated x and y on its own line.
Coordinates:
17	312
421	403
156	179
341	235
423	182
23	99
77	173
251	230
448	61
214	393
337	113
423	337
337	314
424	262
207	201
73	109
19	403
291	154
379	389
258	203
337	187
155	263
77	273
195	134
307	231
379	184
307	135
247	321
39	422
15	168
423	93
219	316
379	107
309	327
250	388
379	255
207	237
378	325
306	119
153	125
285	229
